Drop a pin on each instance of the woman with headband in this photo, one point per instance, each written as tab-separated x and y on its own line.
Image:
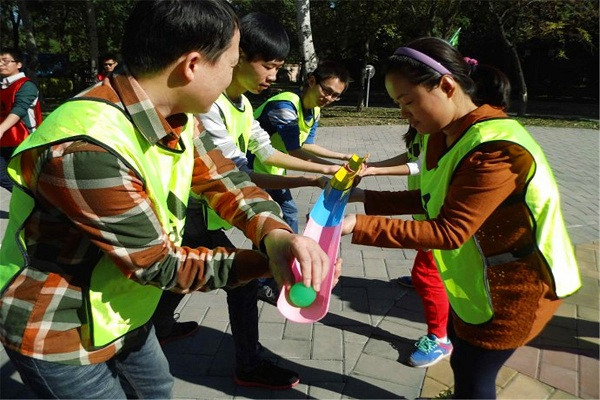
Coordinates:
492	206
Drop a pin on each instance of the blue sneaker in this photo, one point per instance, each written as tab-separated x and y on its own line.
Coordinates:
405	281
429	351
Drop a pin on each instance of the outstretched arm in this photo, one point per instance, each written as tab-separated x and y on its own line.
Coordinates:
397	165
268	181
321	151
295	163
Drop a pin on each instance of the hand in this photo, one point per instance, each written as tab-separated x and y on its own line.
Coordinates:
367	170
338	272
348	224
322	181
282	247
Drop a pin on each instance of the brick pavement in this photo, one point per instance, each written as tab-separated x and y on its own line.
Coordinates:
359	349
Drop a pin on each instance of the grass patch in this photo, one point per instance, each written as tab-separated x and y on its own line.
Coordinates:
348	116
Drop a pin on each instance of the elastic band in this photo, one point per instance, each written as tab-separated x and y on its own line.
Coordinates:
422	58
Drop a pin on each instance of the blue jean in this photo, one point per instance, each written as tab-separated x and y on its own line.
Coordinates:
283	197
241	301
141	372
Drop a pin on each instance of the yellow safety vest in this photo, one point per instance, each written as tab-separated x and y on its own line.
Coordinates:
463	270
114	304
276	140
238	123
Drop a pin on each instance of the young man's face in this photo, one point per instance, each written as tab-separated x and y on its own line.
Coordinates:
8	65
109	65
212	79
256	76
321	94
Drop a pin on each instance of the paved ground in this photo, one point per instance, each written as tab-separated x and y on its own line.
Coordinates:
360	348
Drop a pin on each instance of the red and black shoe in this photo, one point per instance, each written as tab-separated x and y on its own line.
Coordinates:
267	375
179	331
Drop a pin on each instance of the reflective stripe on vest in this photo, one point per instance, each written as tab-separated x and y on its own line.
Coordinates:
276	140
115	304
239	126
463	270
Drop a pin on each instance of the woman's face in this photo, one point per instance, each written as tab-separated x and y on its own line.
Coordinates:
428	110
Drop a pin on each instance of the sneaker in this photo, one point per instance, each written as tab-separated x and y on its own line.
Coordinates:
429	351
267	294
267	375
405	281
179	331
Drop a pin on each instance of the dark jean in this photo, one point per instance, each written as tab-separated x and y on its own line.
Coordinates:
5	153
283	197
475	368
241	301
142	372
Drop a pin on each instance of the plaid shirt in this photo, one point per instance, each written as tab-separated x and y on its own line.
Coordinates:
89	201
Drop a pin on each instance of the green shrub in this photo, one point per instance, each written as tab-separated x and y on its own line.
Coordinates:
56	87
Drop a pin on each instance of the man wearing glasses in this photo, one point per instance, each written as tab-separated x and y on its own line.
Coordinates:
109	62
291	119
20	112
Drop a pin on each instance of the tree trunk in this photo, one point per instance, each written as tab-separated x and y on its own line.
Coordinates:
93	37
30	44
516	62
307	47
15	19
522	110
360	104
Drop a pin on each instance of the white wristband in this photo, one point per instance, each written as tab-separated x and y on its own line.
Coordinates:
413	167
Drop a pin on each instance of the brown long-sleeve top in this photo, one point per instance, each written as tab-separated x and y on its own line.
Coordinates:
479	202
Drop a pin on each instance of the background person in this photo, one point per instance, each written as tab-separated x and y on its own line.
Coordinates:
109	63
425	278
20	111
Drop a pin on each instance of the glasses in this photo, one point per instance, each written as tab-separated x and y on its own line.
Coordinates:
109	64
329	92
6	61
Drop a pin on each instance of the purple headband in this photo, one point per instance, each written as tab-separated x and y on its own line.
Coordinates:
422	58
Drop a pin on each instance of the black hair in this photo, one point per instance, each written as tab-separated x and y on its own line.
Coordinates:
15	53
409	135
490	86
331	69
109	56
263	38
158	32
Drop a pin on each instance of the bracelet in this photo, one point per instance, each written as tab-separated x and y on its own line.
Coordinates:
413	168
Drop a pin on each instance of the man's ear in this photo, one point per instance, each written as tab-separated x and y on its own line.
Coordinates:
448	85
311	81
190	65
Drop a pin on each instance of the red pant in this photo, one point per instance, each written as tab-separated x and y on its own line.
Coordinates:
427	282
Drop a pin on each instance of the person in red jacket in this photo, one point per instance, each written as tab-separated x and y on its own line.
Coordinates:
20	111
109	63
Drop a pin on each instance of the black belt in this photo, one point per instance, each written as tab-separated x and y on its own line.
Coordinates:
510	256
